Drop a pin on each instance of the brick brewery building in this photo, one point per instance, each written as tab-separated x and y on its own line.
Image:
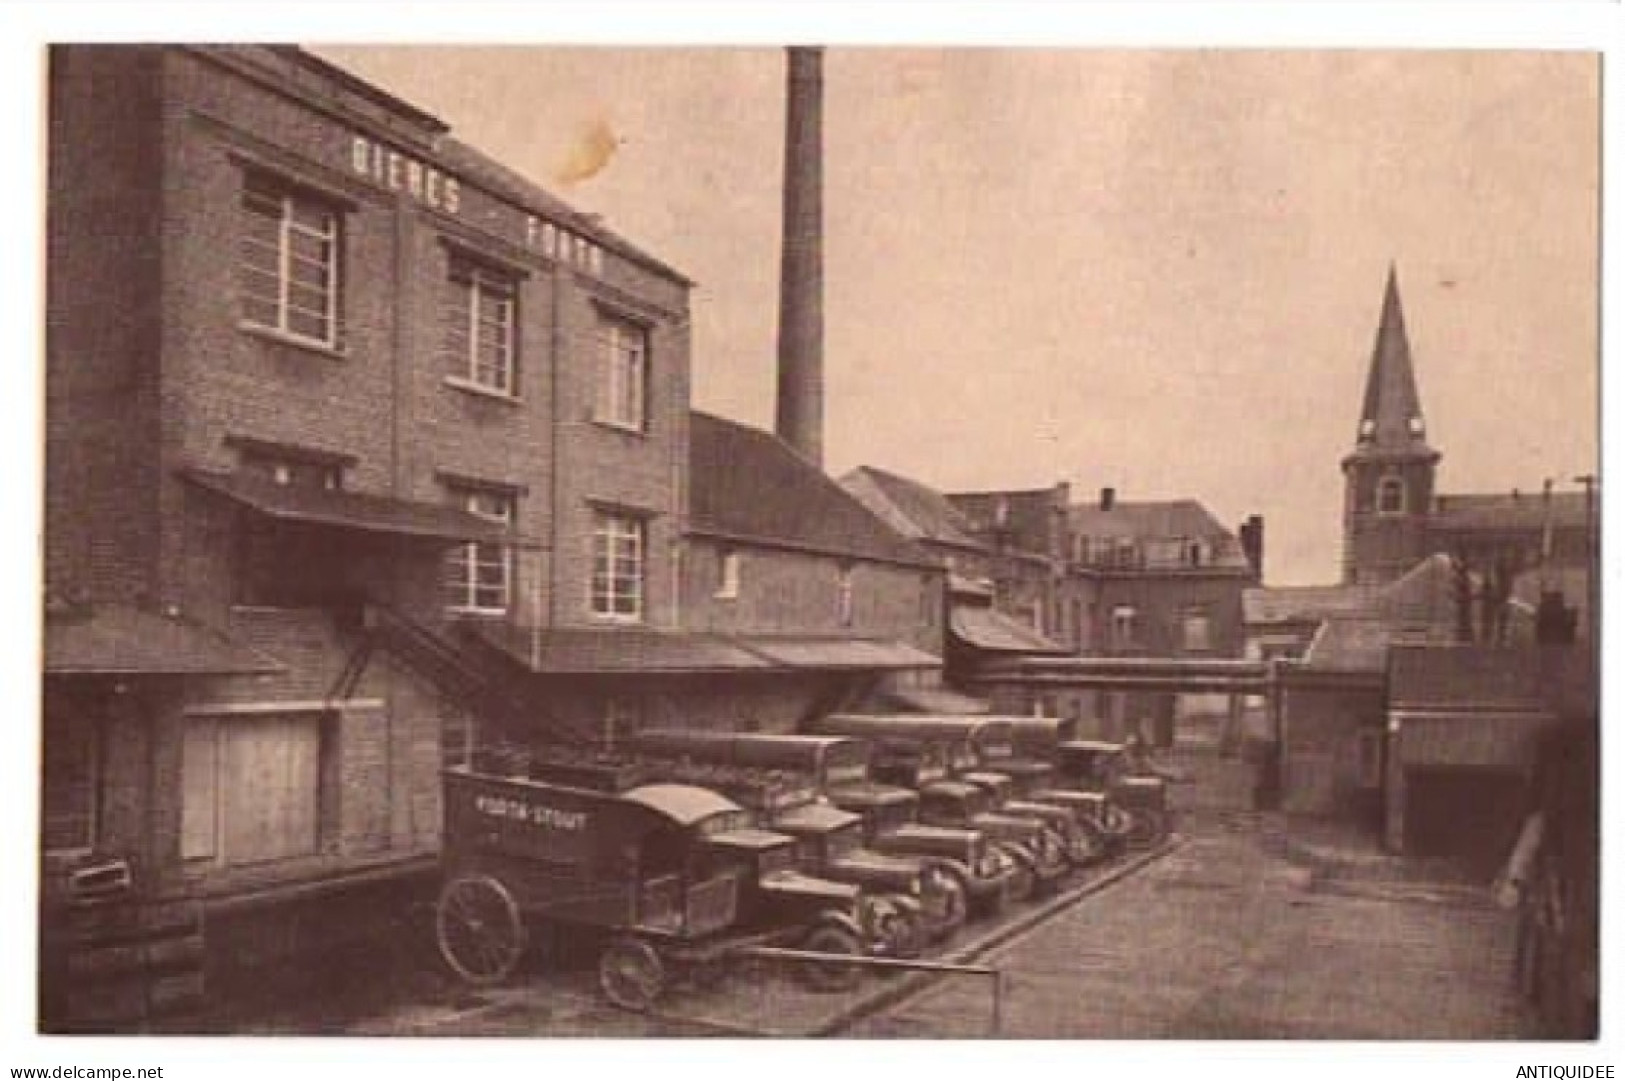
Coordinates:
355	440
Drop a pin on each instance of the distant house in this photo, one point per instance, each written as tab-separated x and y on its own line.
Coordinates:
1166	580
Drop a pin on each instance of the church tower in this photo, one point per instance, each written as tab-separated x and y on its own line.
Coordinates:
1388	477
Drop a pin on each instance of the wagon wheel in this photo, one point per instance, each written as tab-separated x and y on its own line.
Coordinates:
830	975
631	974
479	929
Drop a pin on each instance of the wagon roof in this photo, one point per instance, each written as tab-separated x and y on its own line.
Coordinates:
748	837
681	803
816	816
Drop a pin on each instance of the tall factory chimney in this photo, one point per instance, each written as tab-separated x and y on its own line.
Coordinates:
801	266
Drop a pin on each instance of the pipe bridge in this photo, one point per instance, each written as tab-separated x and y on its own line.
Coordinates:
1176	675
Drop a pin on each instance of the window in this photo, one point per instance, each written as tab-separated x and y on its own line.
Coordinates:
1196	630
728	574
288	261
624	392
479	575
843	595
1123	619
292	469
619	542
479	322
1391	495
252	788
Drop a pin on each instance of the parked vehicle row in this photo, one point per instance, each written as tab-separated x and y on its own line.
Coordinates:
869	835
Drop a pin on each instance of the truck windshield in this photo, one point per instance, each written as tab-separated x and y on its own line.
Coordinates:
782	858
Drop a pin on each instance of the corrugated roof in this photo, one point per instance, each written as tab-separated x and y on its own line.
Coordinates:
1464	677
126	641
911	508
994	632
749	485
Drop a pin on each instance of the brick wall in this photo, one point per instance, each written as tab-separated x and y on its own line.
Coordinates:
102	339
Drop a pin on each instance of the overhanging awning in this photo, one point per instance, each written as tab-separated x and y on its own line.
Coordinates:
839	653
994	632
354	510
615	651
127	642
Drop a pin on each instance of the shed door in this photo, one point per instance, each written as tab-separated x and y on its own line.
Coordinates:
1470	815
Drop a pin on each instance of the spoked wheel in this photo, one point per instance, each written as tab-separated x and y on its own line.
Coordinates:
479	929
830	976
1088	845
631	974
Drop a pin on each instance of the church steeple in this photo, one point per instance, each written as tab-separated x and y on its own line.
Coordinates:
1388	476
1391	418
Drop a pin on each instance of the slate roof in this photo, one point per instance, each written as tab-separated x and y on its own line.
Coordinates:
994	632
912	508
1159	520
487	172
1361	644
1391	414
1263	605
749	485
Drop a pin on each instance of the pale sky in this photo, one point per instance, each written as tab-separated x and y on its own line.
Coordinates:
1159	271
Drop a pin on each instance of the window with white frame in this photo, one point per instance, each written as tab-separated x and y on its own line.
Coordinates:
479	574
1391	495
728	571
288	261
480	316
623	393
843	595
251	787
619	550
1124	618
1196	630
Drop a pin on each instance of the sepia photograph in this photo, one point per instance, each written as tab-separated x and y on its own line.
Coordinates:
794	537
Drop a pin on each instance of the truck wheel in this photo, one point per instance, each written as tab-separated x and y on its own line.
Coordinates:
902	933
479	929
828	976
947	902
1023	881
631	974
1149	828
